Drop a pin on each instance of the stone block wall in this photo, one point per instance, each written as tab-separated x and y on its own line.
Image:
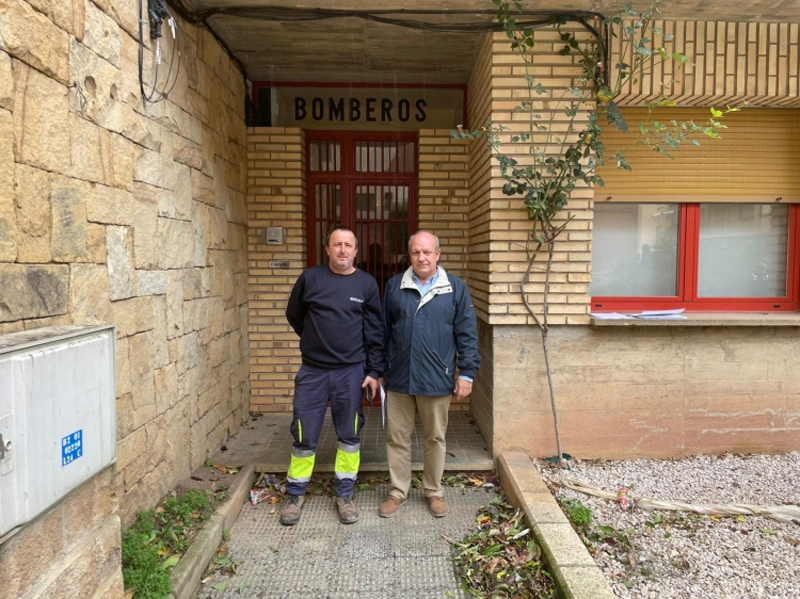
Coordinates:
115	210
72	550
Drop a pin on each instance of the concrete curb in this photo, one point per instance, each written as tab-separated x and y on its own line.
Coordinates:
575	571
186	575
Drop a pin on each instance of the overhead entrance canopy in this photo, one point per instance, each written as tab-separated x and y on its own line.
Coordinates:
405	41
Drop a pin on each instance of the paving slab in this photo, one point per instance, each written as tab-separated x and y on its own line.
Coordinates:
266	442
376	558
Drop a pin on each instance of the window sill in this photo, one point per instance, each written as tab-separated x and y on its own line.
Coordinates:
711	319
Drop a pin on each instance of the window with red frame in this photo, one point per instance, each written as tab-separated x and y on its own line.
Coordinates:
715	256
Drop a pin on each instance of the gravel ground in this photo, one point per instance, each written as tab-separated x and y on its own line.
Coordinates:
681	556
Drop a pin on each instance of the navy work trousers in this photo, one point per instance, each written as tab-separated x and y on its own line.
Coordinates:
313	389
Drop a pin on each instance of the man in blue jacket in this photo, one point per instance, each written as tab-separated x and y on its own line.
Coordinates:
336	310
430	327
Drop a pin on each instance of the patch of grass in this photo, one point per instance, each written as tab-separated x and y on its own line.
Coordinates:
591	534
155	542
578	514
142	568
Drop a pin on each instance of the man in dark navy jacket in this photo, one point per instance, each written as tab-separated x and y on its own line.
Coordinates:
336	310
430	327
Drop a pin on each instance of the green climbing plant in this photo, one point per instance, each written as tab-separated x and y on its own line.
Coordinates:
563	148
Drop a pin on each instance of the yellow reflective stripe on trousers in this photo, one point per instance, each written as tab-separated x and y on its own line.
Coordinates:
301	467
348	459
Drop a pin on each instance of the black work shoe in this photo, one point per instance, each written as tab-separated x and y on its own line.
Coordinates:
291	512
348	512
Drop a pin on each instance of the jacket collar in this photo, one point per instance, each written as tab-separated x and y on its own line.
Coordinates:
408	281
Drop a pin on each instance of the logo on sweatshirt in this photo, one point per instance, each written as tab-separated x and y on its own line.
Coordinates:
357	300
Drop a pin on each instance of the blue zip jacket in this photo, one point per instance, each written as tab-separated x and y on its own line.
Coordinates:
426	335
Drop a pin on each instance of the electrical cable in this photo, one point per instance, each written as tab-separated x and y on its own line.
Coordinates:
188	15
157	10
540	18
395	17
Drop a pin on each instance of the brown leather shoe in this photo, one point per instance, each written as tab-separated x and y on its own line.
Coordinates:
348	512
390	506
291	512
437	506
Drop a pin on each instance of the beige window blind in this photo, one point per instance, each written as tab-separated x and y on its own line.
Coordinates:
757	159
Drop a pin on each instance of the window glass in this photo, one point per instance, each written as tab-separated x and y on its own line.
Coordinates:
635	250
743	250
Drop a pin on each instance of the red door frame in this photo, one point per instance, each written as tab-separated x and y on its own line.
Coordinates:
348	178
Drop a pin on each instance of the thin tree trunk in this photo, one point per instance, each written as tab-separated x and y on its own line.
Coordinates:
545	329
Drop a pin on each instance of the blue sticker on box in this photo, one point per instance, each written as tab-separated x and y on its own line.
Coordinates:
71	447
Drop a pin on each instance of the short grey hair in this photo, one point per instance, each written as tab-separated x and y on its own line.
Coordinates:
435	238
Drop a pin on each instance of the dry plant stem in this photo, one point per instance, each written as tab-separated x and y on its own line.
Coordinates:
544	328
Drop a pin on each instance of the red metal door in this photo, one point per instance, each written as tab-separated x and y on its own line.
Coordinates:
367	182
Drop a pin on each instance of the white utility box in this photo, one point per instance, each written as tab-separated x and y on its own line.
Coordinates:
57	416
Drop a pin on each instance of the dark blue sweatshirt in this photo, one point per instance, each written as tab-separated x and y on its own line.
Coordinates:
338	318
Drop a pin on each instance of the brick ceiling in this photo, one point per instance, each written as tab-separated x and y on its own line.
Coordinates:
359	50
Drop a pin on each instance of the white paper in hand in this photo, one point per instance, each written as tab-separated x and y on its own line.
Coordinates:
383	406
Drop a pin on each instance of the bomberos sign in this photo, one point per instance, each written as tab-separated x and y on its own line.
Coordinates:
365	108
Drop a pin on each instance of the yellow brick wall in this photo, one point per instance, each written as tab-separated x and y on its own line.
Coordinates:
728	63
444	200
501	221
756	62
479	95
275	198
444	195
623	391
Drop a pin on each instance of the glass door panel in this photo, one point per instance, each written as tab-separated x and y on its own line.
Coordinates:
382	227
327	214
